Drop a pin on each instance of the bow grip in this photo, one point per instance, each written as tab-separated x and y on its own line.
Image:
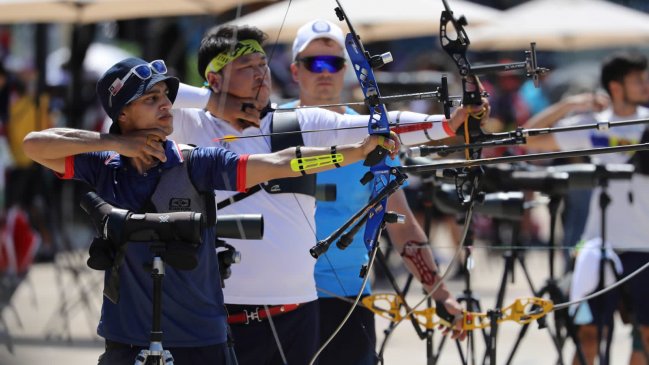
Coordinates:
375	157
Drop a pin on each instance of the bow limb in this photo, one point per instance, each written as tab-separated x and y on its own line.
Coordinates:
521	311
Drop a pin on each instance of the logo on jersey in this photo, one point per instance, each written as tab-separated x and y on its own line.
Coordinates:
180	204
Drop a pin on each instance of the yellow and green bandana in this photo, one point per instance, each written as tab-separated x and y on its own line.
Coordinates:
244	47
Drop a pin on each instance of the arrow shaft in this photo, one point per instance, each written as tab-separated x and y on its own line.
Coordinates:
519	158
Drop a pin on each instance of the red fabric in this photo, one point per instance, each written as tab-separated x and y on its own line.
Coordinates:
411	127
447	129
69	169
241	173
25	242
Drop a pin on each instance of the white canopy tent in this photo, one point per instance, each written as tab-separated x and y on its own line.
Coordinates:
92	11
374	20
564	25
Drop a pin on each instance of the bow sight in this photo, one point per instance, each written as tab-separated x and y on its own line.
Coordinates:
456	48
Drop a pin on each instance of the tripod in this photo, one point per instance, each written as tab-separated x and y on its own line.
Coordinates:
511	257
155	354
552	290
603	352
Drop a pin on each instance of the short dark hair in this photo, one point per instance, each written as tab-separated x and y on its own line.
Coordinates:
620	64
222	38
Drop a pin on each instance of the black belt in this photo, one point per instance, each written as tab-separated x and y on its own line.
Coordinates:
112	345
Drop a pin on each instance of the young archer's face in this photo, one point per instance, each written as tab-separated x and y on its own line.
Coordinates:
151	110
247	76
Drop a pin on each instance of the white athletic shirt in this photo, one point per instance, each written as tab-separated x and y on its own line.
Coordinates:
627	217
277	269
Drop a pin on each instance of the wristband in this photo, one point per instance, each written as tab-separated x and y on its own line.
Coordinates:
299	161
333	157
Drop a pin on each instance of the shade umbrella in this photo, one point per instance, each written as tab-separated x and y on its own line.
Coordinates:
375	20
92	11
564	25
99	58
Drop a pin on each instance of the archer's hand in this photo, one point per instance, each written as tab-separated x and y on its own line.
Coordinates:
145	145
231	108
587	102
454	309
480	112
391	144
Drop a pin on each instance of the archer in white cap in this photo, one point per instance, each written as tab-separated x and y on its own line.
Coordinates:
318	68
319	63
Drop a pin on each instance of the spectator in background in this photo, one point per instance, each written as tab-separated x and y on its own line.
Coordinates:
25	183
575	202
4	95
625	77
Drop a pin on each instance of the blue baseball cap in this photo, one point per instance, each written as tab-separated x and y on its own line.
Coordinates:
128	80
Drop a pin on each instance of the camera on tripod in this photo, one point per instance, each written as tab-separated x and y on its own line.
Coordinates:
174	236
503	205
553	180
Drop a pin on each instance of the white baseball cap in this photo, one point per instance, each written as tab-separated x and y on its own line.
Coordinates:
316	29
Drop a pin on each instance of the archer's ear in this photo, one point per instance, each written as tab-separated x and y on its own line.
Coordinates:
294	72
122	118
215	80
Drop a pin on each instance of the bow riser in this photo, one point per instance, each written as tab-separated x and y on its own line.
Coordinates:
378	124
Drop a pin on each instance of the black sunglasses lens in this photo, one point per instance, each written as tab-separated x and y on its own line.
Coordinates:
319	64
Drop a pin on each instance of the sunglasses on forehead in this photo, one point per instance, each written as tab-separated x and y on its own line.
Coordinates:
143	71
319	64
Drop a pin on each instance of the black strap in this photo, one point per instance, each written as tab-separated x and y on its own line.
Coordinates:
333	157
298	155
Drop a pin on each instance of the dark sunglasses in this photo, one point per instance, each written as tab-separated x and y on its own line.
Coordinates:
319	64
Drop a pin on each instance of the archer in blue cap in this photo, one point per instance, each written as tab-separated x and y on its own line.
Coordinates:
135	167
128	80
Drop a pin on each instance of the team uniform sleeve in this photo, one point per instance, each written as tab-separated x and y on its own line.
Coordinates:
86	167
215	168
191	97
433	127
182	123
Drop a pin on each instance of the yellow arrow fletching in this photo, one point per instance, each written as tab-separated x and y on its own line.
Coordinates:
227	138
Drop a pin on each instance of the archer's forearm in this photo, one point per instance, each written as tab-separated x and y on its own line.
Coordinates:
50	147
422	264
268	166
549	116
418	258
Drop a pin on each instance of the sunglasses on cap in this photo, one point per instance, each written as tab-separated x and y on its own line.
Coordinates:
319	64
143	71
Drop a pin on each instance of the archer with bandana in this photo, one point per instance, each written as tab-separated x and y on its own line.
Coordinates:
271	296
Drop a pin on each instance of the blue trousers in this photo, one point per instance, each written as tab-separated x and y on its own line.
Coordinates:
122	354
